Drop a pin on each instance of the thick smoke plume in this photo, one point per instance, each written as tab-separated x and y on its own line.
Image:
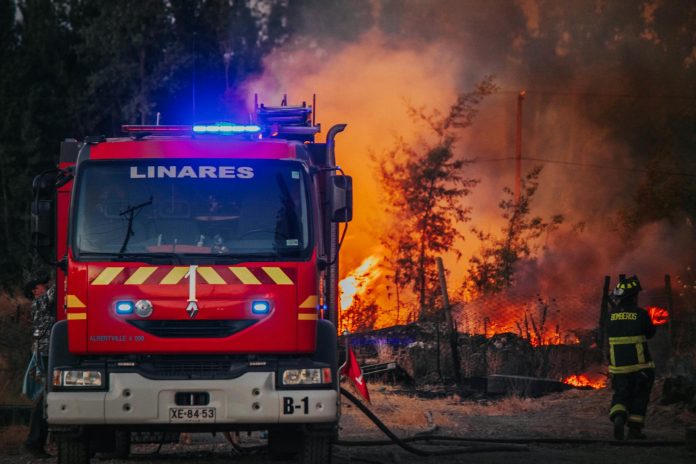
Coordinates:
591	96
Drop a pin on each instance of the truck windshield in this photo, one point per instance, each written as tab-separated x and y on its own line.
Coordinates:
236	208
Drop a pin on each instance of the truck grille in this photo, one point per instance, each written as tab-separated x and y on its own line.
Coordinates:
192	368
192	329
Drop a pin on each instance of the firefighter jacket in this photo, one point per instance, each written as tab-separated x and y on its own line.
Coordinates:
629	328
43	314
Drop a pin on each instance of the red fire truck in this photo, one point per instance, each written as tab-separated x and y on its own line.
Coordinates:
197	283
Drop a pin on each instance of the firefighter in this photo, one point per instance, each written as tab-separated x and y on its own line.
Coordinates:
43	296
630	365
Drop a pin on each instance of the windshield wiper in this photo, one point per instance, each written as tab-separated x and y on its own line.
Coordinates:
175	258
131	214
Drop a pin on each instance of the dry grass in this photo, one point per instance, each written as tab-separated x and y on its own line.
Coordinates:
400	412
508	406
410	414
12	438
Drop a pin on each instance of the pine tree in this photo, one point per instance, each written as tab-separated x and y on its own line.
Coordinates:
425	186
493	268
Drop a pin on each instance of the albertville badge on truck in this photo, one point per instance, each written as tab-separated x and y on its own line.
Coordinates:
199	268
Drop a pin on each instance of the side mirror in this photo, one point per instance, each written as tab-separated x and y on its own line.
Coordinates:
43	215
341	198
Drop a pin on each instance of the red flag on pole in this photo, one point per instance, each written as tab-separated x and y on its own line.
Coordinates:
351	369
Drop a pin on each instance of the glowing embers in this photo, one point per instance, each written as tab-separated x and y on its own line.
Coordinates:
358	280
586	381
226	128
658	315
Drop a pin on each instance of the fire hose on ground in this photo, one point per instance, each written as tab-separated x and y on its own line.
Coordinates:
496	444
403	443
504	444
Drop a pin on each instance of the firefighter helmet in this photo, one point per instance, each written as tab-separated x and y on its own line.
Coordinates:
627	287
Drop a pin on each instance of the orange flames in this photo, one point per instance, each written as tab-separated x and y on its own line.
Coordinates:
537	321
582	380
658	315
358	281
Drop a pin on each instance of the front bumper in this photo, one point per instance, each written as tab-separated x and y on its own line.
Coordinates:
249	399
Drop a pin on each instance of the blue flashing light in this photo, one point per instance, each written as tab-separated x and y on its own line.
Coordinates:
260	307
125	307
226	128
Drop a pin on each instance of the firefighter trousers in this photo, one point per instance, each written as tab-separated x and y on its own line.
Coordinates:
632	395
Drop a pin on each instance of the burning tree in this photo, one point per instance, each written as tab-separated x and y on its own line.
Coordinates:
358	303
361	315
424	186
493	269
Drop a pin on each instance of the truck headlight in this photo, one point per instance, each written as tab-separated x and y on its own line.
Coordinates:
77	378
316	376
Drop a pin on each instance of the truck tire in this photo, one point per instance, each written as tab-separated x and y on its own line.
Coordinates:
122	443
316	449
73	450
284	443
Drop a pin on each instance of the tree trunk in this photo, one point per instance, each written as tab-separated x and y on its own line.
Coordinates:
423	240
5	205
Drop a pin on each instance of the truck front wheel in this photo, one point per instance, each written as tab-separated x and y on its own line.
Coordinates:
73	450
284	443
316	449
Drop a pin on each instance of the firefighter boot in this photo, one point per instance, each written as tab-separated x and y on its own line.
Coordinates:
619	422
635	432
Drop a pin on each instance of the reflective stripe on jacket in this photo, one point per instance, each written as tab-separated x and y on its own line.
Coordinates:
629	328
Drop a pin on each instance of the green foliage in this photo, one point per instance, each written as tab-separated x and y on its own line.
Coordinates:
424	187
34	50
15	350
71	68
493	269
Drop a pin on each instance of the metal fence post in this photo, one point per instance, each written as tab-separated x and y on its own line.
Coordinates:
603	316
451	328
670	314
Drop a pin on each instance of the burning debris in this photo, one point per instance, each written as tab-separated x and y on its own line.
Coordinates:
358	281
584	381
659	316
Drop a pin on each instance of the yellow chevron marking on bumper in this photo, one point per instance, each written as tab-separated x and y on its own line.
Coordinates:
107	276
175	275
74	302
277	275
311	302
245	275
307	317
77	316
210	275
140	275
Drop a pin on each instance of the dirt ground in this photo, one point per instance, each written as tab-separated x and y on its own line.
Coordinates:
575	414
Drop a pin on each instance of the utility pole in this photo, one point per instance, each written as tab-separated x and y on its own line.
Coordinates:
518	147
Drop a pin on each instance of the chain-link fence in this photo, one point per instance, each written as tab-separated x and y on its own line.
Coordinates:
542	319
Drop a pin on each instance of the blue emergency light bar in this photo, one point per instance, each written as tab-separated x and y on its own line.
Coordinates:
226	128
220	128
